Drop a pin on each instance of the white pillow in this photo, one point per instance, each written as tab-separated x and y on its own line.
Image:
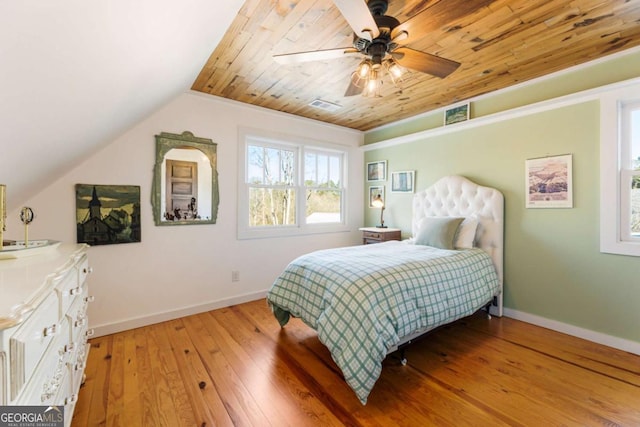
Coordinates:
466	233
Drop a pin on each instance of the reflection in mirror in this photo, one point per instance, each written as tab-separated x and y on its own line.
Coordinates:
185	180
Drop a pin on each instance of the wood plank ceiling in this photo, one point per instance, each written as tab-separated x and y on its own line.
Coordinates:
500	44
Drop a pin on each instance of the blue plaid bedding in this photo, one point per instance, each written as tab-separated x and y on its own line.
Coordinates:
363	299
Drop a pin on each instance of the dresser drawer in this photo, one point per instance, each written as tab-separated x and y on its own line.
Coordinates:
49	377
77	318
378	235
30	341
70	282
373	235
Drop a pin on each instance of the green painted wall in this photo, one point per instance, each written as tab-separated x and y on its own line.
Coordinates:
620	67
553	266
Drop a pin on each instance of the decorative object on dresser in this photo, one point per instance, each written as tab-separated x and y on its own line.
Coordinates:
377	235
43	328
108	214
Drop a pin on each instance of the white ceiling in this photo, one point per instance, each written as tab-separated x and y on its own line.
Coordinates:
75	74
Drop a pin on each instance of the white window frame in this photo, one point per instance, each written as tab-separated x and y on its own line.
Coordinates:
614	193
248	137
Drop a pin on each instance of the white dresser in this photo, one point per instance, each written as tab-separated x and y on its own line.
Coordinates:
43	327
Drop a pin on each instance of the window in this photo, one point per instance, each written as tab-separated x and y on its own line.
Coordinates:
620	172
289	186
630	171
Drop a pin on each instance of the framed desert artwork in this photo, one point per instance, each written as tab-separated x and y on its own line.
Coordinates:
549	182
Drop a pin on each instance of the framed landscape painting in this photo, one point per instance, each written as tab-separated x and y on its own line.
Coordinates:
549	182
108	214
456	114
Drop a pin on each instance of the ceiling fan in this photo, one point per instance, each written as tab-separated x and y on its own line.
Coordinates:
382	39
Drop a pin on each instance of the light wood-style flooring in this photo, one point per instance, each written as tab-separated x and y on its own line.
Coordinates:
236	366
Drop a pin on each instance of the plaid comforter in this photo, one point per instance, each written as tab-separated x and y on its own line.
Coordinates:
363	299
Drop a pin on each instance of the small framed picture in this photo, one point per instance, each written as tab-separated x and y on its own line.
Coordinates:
456	114
402	182
377	171
549	182
375	191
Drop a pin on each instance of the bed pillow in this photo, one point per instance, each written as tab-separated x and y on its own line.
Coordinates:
438	232
466	233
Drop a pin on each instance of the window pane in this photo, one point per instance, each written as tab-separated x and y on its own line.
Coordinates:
310	169
270	166
335	171
287	170
255	162
323	206
323	170
271	207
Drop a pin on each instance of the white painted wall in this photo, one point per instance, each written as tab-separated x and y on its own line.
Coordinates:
180	270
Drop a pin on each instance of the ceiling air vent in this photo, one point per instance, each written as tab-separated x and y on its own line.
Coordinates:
325	105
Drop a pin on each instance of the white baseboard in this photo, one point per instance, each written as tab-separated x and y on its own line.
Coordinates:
137	322
597	337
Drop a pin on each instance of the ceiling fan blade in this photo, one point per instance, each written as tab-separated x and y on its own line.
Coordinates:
437	16
354	88
358	17
314	55
424	62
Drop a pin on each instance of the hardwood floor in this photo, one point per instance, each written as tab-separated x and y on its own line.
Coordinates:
236	366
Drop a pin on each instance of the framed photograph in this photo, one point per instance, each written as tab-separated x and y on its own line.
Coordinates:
108	214
375	191
402	182
549	183
377	171
456	114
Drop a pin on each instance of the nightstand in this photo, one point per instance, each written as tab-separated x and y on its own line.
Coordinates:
377	235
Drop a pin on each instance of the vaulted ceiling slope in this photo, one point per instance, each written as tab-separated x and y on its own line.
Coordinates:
499	43
76	74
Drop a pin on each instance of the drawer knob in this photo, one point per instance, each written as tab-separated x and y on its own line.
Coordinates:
71	399
50	331
90	298
75	291
89	333
87	270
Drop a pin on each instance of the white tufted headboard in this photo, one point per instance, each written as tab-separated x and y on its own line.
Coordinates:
457	196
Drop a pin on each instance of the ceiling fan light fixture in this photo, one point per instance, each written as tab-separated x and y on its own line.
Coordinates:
364	69
394	70
372	87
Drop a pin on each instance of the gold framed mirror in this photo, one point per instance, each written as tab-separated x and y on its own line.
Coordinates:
185	180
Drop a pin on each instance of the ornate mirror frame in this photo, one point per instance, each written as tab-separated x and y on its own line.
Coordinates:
166	142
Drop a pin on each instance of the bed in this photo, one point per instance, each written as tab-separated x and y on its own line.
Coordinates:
367	301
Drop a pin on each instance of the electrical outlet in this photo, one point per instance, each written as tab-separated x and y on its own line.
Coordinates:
235	276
